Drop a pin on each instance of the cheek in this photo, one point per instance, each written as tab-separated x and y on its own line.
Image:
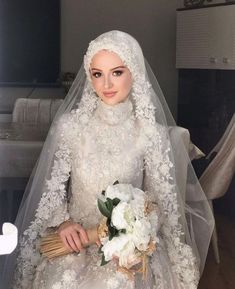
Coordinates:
96	83
127	84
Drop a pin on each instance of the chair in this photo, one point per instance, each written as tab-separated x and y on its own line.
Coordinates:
218	175
36	111
19	155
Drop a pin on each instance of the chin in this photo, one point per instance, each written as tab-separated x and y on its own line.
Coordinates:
111	101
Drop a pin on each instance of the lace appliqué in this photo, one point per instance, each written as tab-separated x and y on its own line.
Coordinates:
53	199
160	181
105	154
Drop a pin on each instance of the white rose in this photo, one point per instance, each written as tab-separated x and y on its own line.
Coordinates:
138	194
115	246
141	234
123	217
121	191
127	256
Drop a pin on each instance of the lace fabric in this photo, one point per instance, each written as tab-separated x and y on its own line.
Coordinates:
94	145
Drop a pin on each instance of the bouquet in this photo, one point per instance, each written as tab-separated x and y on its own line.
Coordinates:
127	231
131	221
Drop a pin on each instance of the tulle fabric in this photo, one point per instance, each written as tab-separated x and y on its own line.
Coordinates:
196	217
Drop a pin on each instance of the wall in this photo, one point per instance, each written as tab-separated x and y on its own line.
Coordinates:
151	22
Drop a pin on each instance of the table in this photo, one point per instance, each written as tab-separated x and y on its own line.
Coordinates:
20	147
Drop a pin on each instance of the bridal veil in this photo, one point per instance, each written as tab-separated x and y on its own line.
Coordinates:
189	221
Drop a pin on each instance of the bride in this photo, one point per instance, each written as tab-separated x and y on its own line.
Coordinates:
113	125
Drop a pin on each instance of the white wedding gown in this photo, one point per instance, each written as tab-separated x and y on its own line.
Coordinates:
111	147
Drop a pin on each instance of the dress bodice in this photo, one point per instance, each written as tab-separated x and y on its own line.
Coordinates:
109	149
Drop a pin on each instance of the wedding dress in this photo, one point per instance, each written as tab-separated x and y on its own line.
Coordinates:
91	145
112	147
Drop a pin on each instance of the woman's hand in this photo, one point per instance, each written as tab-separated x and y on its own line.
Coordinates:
73	235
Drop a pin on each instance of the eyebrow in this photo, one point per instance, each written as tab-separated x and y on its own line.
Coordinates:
121	66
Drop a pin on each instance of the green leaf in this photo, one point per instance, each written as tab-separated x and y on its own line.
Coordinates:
109	204
100	250
115	183
103	209
116	201
110	237
108	222
112	232
103	261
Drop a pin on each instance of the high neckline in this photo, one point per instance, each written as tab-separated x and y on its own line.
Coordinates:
114	114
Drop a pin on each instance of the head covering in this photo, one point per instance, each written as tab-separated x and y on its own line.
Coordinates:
188	220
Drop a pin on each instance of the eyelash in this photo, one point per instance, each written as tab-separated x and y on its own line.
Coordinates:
115	73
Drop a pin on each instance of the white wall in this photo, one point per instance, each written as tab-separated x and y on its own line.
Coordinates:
151	22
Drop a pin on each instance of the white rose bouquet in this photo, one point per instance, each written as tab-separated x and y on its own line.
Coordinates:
131	227
128	231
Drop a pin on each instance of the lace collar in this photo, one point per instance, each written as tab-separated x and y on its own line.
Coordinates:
114	115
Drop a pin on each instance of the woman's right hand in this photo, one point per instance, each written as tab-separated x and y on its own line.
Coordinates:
73	235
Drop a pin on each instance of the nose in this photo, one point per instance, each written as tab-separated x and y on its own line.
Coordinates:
108	82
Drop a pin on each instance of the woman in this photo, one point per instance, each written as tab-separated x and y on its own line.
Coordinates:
118	132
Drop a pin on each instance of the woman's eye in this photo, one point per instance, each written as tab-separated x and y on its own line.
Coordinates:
96	74
117	72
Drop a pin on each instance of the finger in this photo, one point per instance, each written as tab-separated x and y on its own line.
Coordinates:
72	243
65	242
83	233
83	240
77	241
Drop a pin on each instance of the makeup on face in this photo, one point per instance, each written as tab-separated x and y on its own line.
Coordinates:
110	78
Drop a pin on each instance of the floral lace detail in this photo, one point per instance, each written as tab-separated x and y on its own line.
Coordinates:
73	271
114	115
141	95
110	161
53	199
159	181
52	208
69	280
126	47
105	153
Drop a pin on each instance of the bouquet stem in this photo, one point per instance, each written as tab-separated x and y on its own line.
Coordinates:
52	246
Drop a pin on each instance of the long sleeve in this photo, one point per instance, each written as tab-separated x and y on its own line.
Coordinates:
161	185
53	204
159	171
50	183
157	174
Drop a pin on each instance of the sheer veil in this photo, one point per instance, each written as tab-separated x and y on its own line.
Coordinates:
196	219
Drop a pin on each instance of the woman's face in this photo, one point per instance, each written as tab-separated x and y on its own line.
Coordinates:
111	79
